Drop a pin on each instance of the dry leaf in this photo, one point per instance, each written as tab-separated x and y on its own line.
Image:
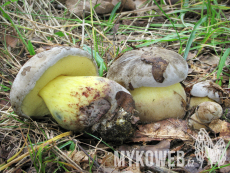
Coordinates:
222	127
131	169
76	6
166	129
209	59
125	4
78	156
10	38
107	160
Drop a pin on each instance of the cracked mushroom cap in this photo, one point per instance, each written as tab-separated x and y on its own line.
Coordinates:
148	67
208	111
40	70
204	114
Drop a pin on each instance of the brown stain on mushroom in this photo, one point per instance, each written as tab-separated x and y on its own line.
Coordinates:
85	94
125	101
94	111
131	86
159	65
26	69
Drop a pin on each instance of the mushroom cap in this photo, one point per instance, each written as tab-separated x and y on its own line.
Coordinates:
205	89
148	67
41	69
208	111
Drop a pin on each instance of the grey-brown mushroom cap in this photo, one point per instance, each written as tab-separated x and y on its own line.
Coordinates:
148	67
208	111
28	79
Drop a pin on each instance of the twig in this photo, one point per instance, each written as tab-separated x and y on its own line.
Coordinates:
94	162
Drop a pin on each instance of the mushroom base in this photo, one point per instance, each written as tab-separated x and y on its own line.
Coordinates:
159	103
197	124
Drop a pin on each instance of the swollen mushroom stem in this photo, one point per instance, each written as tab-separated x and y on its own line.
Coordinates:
204	114
82	102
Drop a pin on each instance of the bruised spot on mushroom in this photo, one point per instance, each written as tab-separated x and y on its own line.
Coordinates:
89	88
126	101
57	115
131	86
95	110
159	65
85	94
26	69
97	94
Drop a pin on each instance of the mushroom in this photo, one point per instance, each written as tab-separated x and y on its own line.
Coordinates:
41	69
204	114
152	76
204	91
63	82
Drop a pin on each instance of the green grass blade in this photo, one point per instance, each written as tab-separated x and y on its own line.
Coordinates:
9	2
99	60
65	144
101	141
171	23
31	48
112	15
4	88
19	33
192	36
222	62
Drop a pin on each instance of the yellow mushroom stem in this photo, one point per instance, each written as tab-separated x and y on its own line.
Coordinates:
158	103
72	99
195	101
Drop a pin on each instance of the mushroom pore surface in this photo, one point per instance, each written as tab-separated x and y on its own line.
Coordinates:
41	69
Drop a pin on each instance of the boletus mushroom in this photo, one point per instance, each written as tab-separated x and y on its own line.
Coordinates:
152	76
204	114
204	91
64	82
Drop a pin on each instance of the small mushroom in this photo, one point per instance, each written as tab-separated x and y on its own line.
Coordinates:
63	82
152	76
204	114
206	89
